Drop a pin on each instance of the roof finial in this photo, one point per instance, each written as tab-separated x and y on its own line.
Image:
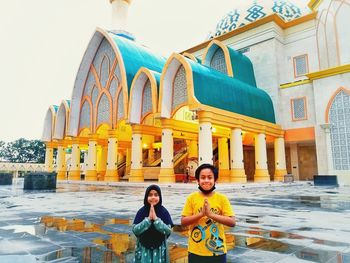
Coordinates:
120	14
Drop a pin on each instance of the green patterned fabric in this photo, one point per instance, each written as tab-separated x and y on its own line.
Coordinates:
218	90
160	254
136	56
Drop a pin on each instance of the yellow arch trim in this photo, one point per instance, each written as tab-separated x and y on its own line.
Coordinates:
190	56
330	102
226	54
153	81
193	103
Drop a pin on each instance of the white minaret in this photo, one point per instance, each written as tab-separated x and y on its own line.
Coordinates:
119	16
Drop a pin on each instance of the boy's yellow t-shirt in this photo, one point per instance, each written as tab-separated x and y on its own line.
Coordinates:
206	237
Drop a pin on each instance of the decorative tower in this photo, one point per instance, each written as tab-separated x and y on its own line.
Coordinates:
119	17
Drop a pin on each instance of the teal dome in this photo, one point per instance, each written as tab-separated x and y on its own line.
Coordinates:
257	9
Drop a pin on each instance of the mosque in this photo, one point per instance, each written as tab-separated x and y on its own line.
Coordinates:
266	95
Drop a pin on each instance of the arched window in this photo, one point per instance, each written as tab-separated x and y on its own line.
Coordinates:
103	113
85	116
179	88
218	61
339	118
146	99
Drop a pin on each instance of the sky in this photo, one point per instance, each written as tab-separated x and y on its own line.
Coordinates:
42	43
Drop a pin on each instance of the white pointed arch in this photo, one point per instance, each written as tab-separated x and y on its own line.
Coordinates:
83	72
137	98
61	121
174	62
49	124
217	57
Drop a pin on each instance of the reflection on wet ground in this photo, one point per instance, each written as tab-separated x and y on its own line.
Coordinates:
92	223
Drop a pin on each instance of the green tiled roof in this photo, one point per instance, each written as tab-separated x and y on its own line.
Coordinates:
136	56
242	67
218	90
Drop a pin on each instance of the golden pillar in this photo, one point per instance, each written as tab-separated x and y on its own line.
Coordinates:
102	154
112	157
193	150
237	173
261	172
224	164
49	157
61	168
280	160
74	171
91	172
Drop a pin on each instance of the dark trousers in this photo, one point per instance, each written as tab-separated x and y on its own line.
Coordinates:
193	258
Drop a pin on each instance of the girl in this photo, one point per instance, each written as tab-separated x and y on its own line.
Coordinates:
152	226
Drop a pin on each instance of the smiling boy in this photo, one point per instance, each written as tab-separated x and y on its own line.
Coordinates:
206	212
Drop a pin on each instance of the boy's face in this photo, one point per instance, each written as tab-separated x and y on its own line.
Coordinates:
153	197
206	179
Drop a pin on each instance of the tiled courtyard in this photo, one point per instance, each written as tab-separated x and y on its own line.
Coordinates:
276	222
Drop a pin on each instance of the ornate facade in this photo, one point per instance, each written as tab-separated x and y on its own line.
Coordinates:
268	94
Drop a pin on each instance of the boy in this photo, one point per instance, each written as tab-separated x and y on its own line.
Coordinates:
206	212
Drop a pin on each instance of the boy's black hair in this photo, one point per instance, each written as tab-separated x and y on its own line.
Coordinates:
207	166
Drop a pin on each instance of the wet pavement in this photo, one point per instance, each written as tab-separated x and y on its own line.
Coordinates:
83	222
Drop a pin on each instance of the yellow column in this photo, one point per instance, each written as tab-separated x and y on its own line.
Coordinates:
167	174
102	151
205	144
280	160
224	164
136	174
91	172
237	173
74	171
61	162
49	158
193	150
128	161
261	172
112	158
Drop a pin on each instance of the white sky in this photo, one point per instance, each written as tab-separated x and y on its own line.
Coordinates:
42	43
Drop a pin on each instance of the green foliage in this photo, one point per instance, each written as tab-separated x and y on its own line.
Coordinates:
23	151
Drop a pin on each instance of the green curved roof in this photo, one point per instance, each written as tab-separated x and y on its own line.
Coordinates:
136	56
242	67
218	90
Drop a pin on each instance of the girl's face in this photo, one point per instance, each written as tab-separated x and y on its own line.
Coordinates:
153	197
206	179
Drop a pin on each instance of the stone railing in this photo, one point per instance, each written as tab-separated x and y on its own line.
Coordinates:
22	167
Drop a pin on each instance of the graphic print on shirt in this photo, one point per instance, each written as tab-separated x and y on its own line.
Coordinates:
213	241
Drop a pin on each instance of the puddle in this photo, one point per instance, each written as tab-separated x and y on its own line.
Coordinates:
84	223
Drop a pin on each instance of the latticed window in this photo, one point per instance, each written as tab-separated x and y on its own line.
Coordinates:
103	112
104	50
84	121
339	119
113	88
298	109
90	82
218	61
179	88
120	113
94	96
300	65
147	99
104	71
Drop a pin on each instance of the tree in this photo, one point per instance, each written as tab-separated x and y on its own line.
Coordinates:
23	151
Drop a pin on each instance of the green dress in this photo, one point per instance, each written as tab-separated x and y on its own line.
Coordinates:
157	255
